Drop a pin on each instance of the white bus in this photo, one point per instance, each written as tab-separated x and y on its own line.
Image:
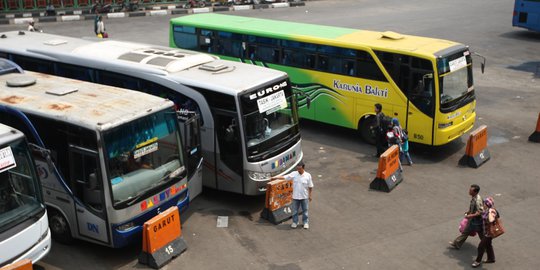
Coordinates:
109	159
248	114
24	228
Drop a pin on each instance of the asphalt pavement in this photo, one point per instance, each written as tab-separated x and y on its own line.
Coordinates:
351	226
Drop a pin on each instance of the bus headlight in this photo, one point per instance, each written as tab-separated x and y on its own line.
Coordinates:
126	227
259	176
445	125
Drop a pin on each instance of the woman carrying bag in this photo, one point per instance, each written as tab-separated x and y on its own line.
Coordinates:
492	229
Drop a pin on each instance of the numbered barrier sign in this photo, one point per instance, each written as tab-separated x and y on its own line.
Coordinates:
162	239
25	264
388	173
278	201
476	152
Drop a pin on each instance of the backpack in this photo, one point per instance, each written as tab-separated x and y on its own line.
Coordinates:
385	122
404	135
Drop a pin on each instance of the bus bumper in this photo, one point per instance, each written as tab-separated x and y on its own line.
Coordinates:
122	238
451	133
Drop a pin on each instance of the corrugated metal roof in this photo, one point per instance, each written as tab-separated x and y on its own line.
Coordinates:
93	106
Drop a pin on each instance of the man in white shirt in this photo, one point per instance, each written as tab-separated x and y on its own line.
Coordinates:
302	187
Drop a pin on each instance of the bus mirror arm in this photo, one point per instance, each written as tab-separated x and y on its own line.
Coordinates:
483	63
43	152
308	98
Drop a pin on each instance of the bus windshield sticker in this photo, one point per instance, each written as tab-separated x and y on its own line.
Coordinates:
7	160
145	150
457	63
272	102
146	143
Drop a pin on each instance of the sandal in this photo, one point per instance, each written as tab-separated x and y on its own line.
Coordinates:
475	264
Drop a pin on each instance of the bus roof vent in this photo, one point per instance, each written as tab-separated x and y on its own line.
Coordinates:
62	91
213	66
55	42
392	35
21	81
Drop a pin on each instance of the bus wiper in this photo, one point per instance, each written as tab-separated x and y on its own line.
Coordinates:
136	198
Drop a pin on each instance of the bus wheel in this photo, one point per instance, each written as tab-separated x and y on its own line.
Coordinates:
59	227
365	129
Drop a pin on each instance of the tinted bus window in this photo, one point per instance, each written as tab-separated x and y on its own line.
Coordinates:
185	37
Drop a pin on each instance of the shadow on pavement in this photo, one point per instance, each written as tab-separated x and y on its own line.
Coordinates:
464	257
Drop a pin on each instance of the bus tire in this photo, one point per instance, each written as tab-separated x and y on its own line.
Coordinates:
60	230
365	129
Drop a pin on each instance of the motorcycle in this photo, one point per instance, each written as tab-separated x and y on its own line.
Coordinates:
130	5
193	3
98	7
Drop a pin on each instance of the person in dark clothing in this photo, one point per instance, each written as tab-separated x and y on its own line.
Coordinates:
379	130
476	209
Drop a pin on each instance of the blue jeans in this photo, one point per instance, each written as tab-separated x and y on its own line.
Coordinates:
296	204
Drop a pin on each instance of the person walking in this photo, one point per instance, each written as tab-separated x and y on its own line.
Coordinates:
101	28
32	27
379	130
474	215
404	138
485	246
302	187
393	137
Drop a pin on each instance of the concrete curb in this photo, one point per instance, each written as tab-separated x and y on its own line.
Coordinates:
79	15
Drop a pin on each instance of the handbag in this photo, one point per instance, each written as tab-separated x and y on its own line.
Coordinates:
463	225
495	228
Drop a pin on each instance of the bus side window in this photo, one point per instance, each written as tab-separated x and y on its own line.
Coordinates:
118	80
349	67
230	44
85	181
322	64
206	39
74	72
368	68
185	37
37	65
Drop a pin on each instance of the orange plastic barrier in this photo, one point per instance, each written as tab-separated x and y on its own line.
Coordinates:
278	201
476	152
535	137
388	173
162	239
25	264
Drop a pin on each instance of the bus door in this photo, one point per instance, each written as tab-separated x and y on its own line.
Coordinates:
423	99
190	129
229	159
87	185
414	76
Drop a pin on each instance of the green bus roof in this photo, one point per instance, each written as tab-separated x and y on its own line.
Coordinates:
330	35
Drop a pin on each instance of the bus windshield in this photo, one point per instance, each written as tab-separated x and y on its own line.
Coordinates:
143	156
455	79
20	194
270	118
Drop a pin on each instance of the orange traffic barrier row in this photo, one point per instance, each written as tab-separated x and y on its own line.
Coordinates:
162	239
278	201
476	152
388	173
25	264
535	137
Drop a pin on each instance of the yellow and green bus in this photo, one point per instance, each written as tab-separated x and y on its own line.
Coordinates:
426	82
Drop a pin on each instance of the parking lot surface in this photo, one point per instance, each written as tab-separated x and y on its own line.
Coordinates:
351	226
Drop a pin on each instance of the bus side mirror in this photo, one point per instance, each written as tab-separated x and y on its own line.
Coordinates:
483	63
229	131
308	98
44	153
